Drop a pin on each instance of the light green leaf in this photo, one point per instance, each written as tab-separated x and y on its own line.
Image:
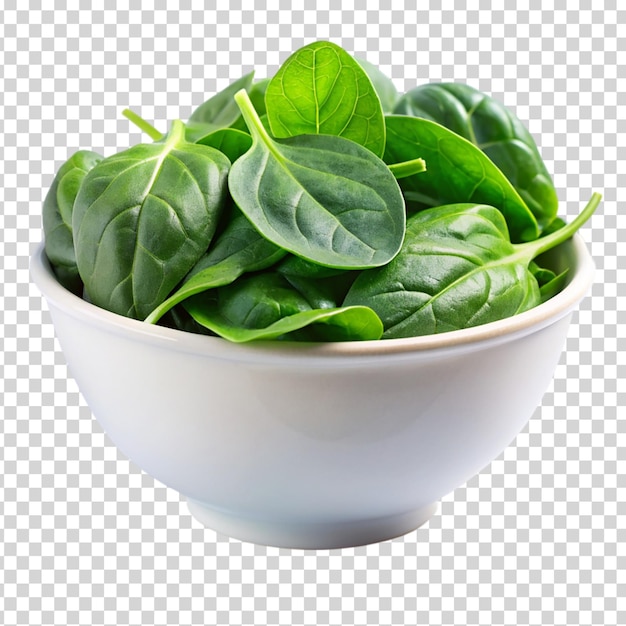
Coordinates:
321	89
324	198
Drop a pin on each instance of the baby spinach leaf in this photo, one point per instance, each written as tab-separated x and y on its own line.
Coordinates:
324	198
496	131
386	90
322	293
239	249
321	89
218	111
293	265
57	212
266	306
143	218
233	143
457	172
550	288
457	269
329	283
543	275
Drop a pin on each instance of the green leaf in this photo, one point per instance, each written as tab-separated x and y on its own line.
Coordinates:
297	266
457	269
457	172
496	131
143	218
386	90
218	111
266	306
543	275
233	143
58	207
550	288
324	198
322	293
239	249
321	89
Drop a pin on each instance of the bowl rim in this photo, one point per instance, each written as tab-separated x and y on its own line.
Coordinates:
474	338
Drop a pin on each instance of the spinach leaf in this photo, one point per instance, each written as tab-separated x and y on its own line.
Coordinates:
233	143
457	269
386	90
218	111
58	207
143	218
324	198
308	278
496	131
543	275
457	172
550	288
322	293
321	89
266	306
238	249
296	266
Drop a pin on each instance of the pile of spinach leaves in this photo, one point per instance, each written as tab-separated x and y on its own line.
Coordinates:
318	205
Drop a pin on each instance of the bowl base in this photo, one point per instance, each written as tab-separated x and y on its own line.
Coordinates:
311	536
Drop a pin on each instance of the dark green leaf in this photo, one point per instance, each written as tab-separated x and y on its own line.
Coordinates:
457	171
324	198
496	131
58	207
296	266
323	293
266	306
456	269
543	275
233	143
321	89
239	249
550	288
143	218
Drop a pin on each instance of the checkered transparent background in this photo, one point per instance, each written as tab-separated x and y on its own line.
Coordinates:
539	537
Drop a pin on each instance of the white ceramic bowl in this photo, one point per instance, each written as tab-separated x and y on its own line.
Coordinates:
313	446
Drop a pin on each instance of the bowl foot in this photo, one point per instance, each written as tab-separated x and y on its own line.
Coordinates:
307	535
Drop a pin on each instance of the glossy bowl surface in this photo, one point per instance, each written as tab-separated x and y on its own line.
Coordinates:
314	445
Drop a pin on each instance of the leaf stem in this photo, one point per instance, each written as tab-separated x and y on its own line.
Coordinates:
534	248
252	119
144	126
408	168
